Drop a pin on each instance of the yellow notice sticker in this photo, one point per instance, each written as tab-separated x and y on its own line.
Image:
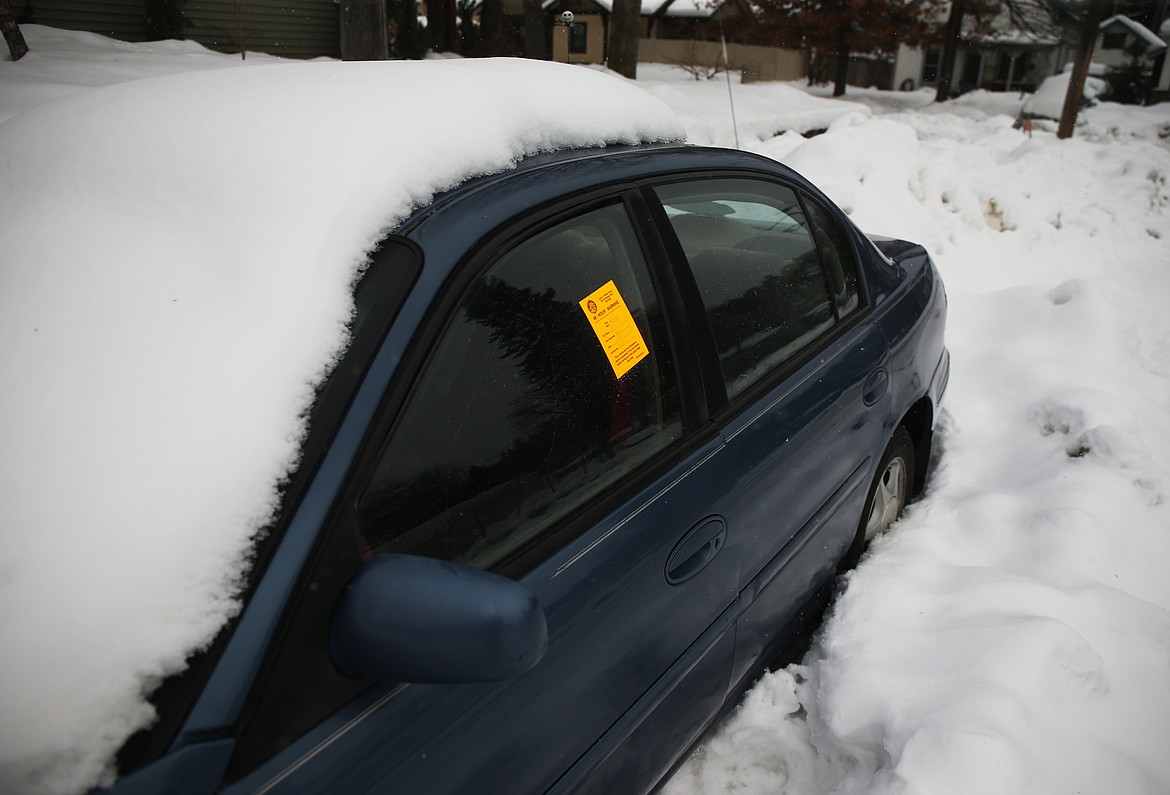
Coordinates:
615	328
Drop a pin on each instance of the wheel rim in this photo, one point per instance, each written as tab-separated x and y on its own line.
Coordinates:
888	498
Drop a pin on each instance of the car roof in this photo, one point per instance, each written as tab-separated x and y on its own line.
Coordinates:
574	170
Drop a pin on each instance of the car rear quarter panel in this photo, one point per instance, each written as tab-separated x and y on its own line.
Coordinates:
910	309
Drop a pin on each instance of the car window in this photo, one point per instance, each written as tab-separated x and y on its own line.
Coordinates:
755	262
549	385
837	256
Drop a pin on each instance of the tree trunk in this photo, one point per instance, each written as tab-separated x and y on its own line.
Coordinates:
17	47
441	25
946	67
622	56
492	27
535	45
841	73
363	30
1076	81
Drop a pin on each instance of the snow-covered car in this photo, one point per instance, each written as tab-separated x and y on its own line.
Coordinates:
601	423
1048	101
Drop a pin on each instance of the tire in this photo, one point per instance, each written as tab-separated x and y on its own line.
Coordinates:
888	494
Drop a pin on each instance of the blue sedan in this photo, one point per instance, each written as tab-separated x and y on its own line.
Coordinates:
607	423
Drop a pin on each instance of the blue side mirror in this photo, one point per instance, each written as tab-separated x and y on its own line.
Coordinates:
411	619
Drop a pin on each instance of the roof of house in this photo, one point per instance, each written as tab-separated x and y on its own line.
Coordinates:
1152	42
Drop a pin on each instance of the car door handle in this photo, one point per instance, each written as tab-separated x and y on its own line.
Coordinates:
875	387
696	549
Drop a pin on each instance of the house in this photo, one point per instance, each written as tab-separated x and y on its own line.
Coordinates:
292	28
1006	54
682	32
1134	58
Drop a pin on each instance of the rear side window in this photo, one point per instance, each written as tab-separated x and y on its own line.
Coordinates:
551	384
756	265
837	256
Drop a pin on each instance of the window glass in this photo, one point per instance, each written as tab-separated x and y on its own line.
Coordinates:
930	66
756	266
1113	40
520	415
579	38
837	256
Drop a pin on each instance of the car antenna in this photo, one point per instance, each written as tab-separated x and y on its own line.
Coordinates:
727	72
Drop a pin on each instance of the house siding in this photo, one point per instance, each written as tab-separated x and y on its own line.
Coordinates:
290	28
119	19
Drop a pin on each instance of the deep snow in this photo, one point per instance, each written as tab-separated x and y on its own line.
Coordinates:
1010	635
178	255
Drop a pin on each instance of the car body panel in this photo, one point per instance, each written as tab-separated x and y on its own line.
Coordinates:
607	646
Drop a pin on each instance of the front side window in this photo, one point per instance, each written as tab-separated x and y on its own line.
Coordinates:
550	385
755	262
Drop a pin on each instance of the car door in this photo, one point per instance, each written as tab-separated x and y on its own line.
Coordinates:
538	431
803	377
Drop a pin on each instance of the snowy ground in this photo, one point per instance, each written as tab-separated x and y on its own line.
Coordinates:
1012	633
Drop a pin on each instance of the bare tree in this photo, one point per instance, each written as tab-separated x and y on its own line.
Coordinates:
17	47
534	32
363	30
441	27
1090	25
492	28
694	63
946	67
623	37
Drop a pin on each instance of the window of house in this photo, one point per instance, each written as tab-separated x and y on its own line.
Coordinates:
756	265
930	66
1113	40
579	38
532	403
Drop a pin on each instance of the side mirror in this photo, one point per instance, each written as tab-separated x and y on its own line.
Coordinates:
411	619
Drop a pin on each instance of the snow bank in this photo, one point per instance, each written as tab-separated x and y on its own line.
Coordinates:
1012	633
177	256
762	110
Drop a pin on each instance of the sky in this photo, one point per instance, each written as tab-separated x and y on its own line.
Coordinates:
1010	635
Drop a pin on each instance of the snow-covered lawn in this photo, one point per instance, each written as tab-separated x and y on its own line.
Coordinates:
1012	633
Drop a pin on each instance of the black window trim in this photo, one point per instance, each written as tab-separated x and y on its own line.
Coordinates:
806	199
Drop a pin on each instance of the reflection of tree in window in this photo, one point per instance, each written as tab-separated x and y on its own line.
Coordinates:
518	417
754	261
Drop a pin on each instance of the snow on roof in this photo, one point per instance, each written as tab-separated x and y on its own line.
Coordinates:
177	260
1151	40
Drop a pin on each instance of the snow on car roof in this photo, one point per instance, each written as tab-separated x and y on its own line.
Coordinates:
178	254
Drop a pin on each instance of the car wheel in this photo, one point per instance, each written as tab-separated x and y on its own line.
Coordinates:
890	490
888	494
